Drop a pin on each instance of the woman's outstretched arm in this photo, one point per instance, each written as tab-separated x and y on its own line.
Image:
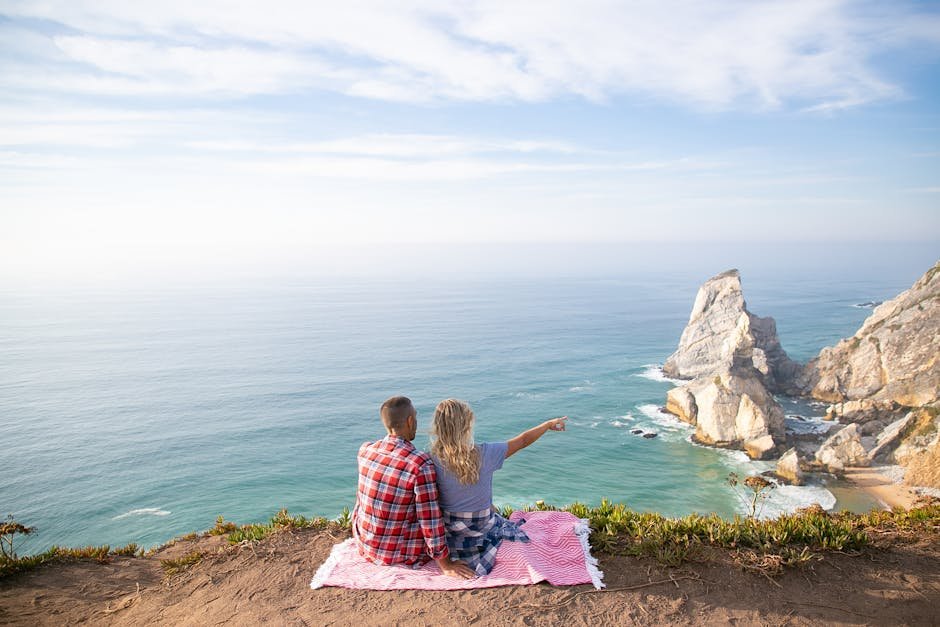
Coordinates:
526	438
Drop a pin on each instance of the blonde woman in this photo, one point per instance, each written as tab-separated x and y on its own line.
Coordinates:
465	483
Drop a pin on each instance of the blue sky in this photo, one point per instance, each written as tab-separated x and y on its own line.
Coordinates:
218	135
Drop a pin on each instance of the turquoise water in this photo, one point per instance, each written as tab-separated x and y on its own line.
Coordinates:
137	415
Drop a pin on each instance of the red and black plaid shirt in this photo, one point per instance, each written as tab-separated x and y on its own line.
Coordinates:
397	519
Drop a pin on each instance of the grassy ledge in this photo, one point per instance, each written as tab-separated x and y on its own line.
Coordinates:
767	546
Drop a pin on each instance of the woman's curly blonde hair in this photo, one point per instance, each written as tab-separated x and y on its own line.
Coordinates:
452	440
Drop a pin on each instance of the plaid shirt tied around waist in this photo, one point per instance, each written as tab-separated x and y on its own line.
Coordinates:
474	537
397	519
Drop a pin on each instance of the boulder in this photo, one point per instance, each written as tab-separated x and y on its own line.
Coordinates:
788	468
864	410
732	409
680	402
760	448
889	437
722	334
842	449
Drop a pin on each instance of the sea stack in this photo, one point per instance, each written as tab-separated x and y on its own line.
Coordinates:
734	360
722	334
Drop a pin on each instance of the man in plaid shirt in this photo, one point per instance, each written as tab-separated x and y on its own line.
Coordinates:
397	519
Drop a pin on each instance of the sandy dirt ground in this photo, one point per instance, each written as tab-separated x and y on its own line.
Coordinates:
267	583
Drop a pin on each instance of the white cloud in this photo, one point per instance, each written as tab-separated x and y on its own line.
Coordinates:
814	54
397	145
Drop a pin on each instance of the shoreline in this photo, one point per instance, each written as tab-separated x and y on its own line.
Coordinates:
879	486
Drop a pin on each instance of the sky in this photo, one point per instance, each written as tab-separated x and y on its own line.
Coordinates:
178	137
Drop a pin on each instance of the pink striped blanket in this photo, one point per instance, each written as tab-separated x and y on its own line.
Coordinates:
558	552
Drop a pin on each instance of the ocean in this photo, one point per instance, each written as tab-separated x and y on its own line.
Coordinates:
138	414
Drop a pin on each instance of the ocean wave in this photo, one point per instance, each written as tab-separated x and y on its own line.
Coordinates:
144	511
654	372
619	421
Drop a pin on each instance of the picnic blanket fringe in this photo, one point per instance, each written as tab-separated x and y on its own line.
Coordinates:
326	568
583	531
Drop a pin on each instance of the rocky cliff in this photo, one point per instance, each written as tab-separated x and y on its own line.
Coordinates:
891	359
734	360
883	382
886	380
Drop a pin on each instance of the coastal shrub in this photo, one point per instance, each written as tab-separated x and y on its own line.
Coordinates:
101	554
760	490
280	521
11	563
345	519
222	527
129	550
8	532
175	566
922	520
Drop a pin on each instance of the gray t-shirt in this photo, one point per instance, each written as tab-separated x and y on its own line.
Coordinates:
457	497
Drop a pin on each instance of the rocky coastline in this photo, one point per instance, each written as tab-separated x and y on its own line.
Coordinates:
882	386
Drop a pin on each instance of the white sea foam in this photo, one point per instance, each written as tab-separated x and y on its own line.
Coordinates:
144	511
789	498
666	426
781	500
527	394
654	372
578	388
661	418
622	421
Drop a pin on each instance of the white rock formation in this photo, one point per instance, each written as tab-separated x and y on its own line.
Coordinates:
894	356
722	334
889	437
788	468
731	356
842	449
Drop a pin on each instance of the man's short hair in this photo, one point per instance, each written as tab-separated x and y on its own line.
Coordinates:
395	412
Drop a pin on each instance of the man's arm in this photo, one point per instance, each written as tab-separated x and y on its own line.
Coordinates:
432	527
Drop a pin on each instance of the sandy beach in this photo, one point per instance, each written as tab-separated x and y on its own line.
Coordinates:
881	487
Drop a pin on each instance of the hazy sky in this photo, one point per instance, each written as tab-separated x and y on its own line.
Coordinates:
179	134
